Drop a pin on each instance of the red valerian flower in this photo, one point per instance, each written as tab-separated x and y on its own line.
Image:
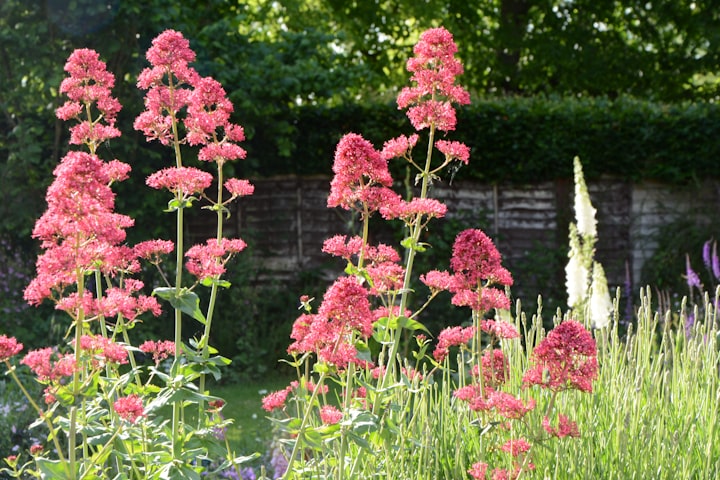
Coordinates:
434	91
42	364
275	400
208	260
399	147
160	350
495	368
103	350
345	309
452	336
565	428
152	249
500	329
359	171
129	408
565	359
183	180
9	347
478	470
238	187
330	415
454	150
516	447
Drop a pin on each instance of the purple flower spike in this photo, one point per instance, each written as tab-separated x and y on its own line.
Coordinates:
706	253
715	262
692	278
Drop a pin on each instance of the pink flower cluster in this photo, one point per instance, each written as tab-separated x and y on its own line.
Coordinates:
79	230
565	359
129	408
174	86
487	399
476	271
344	312
102	350
361	175
48	365
452	336
88	85
9	347
160	349
208	260
434	68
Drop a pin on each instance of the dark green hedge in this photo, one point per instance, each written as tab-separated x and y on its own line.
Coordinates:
529	139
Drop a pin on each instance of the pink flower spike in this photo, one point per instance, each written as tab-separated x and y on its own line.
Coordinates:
129	408
9	347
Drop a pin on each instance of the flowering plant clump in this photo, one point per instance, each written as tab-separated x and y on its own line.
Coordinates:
393	391
371	387
109	415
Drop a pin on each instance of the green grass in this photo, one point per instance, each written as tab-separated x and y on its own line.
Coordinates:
250	431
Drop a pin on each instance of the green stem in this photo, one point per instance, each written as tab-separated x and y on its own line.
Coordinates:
303	424
179	252
410	260
213	292
41	414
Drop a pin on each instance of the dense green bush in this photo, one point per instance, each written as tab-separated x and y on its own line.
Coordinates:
523	140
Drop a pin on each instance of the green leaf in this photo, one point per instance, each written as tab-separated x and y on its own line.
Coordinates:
52	469
184	300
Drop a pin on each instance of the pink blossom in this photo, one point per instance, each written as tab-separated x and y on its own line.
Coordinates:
565	359
452	336
475	257
42	364
129	408
385	277
340	246
495	368
160	349
182	180
477	470
516	447
437	280
275	400
434	91
170	52
509	406
358	169
500	329
330	415
126	302
409	211
9	347
103	350
346	304
454	150
153	249
487	299
208	260
399	147
89	82
239	188
565	428
220	152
